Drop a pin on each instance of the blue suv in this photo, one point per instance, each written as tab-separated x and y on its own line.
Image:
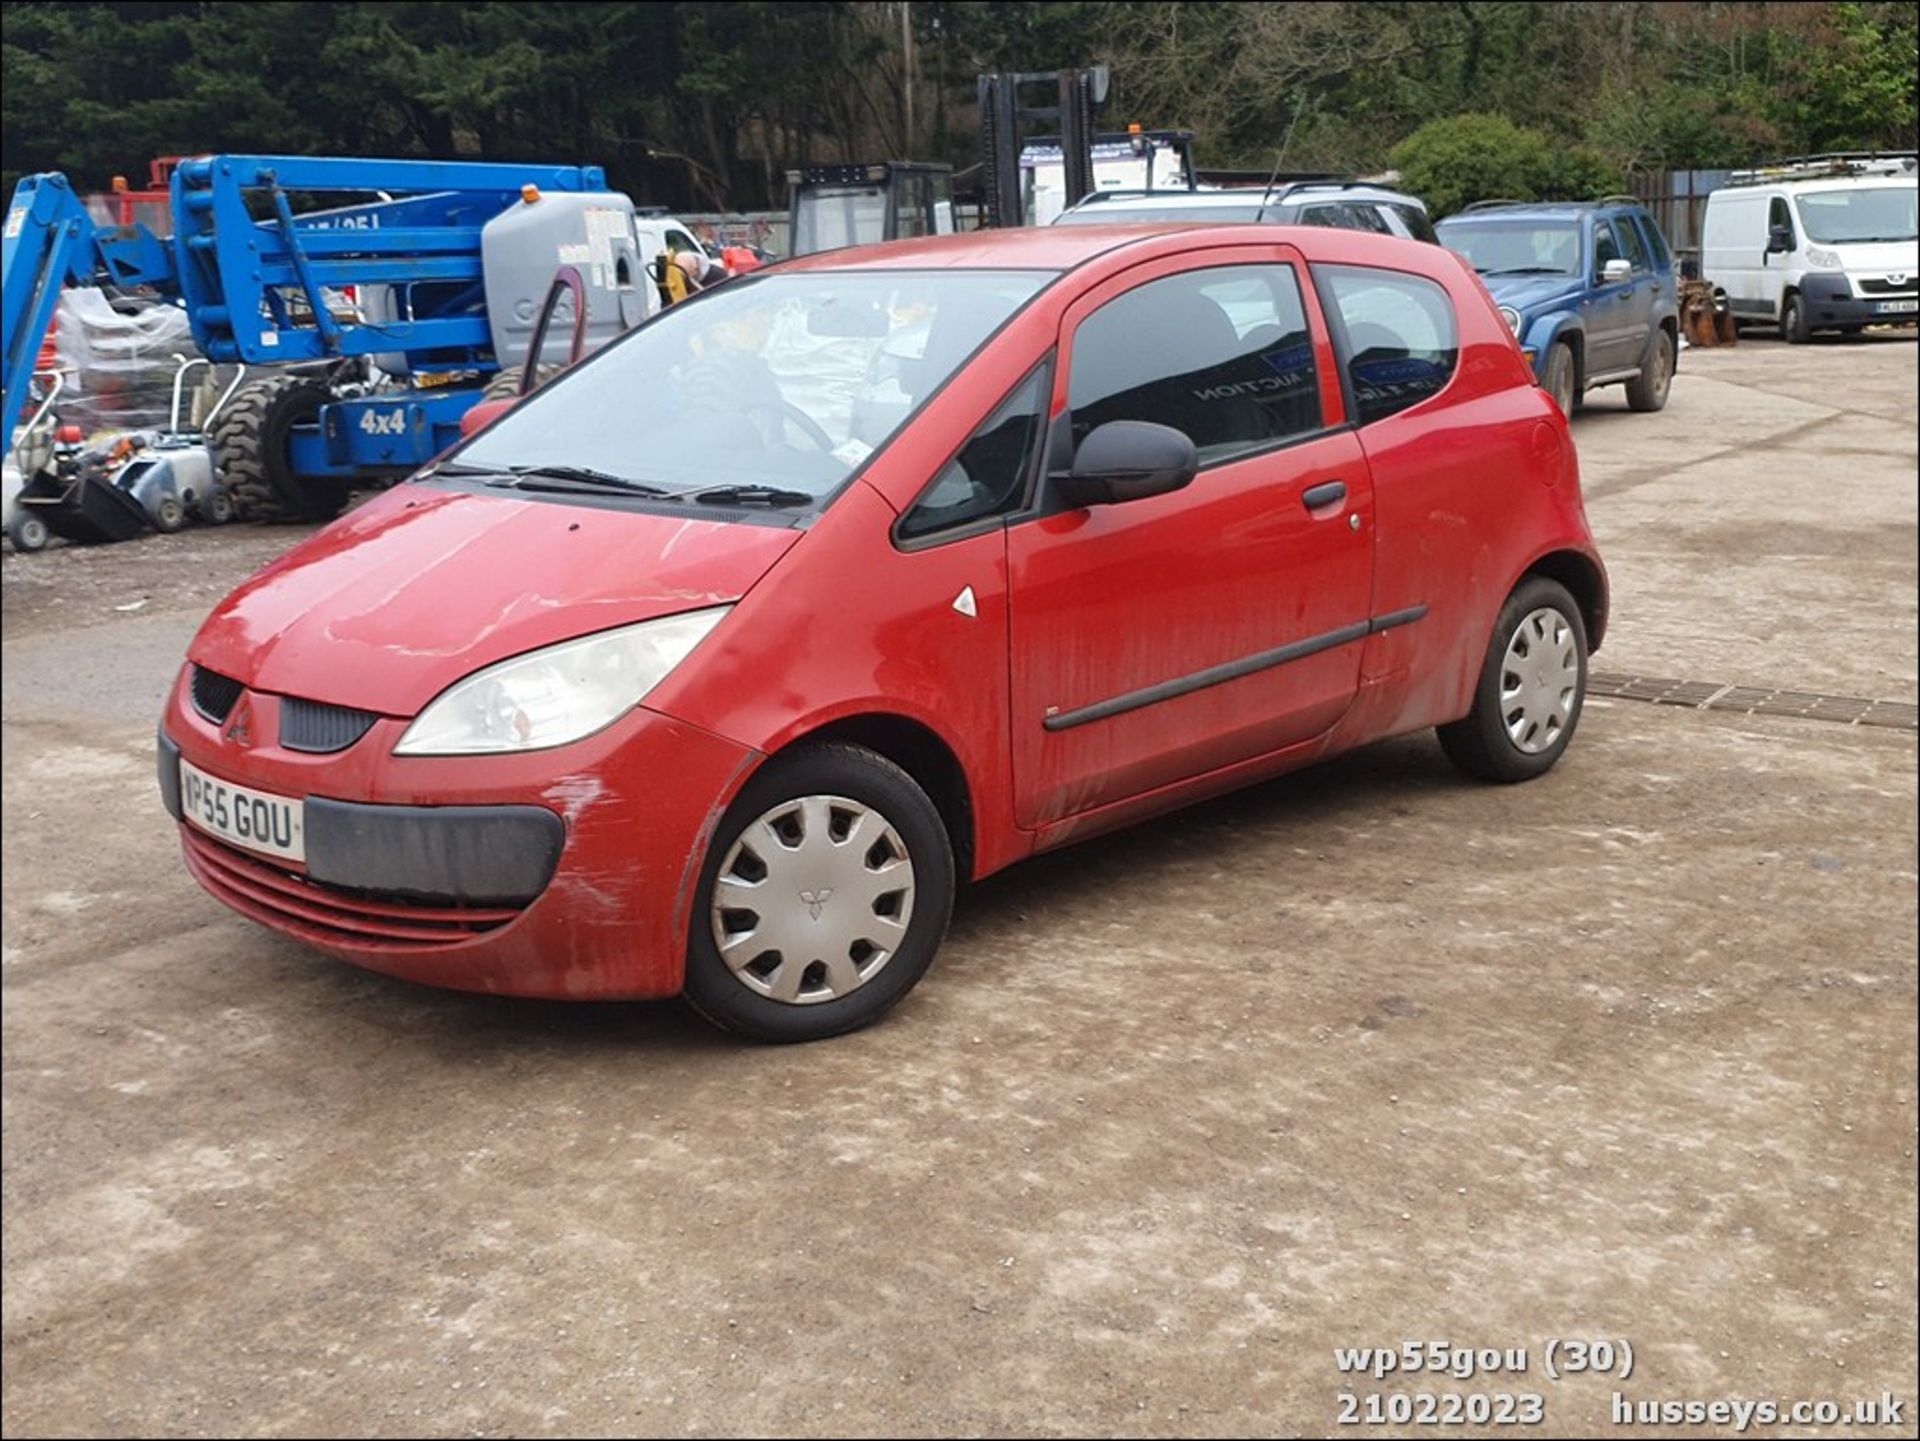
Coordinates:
1588	290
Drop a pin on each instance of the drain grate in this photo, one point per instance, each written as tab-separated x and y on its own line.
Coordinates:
1757	700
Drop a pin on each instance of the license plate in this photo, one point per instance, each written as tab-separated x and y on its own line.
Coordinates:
272	824
1897	307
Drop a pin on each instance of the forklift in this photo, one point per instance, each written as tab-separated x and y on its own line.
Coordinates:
839	205
1030	180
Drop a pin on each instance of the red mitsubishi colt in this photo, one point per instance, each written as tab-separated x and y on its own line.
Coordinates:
714	666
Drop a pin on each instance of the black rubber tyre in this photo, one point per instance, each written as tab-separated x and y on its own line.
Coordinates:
506	384
250	437
169	515
1562	380
1479	743
28	532
214	506
1794	327
872	781
1647	391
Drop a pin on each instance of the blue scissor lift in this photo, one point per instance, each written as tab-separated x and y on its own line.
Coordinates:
263	284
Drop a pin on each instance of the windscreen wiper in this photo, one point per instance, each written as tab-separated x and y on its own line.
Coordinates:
1528	270
560	479
565	478
749	495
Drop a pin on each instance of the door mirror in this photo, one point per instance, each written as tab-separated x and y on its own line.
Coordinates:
1780	240
1128	460
1615	271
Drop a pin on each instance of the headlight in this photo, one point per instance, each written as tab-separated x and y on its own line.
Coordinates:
553	696
1822	259
1512	317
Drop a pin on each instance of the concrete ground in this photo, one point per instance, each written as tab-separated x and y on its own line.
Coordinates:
1366	1055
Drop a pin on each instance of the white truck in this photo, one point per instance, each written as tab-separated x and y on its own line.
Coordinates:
1827	243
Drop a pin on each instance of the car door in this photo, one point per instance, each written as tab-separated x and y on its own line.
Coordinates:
1162	638
1611	334
1779	268
1643	290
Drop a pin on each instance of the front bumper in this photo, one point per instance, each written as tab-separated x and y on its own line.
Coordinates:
566	873
1830	301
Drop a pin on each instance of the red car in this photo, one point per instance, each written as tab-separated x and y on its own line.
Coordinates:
712	667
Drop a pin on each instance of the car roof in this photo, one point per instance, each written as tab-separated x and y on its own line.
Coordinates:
1533	209
1289	193
1829	182
1067	247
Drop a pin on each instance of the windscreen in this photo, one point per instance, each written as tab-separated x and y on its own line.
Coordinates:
1859	216
786	381
832	217
1508	248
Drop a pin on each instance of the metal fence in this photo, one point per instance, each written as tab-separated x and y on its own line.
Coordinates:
1678	200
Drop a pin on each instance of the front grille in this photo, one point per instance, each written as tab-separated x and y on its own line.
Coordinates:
308	725
1879	285
214	694
327	914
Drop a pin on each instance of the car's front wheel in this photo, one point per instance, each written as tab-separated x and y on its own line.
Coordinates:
1794	327
1532	686
1562	379
825	894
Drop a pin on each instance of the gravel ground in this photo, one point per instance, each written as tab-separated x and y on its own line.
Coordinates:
1365	1055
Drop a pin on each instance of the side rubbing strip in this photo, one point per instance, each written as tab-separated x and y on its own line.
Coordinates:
1398	617
1231	670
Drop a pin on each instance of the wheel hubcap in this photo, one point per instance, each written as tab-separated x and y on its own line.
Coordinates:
1539	681
812	900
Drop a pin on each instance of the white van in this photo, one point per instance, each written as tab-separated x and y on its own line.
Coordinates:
1822	245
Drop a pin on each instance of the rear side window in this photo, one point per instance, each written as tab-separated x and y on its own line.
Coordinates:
1656	242
1417	223
988	478
1398	336
1347	217
1635	247
1223	354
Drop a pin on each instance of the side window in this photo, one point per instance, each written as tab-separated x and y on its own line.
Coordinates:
1656	242
678	241
1222	354
989	475
1417	223
911	206
1401	341
1368	217
1778	216
1605	247
1327	215
1635	247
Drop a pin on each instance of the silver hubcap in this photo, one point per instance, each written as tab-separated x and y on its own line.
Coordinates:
812	900
1539	681
1662	365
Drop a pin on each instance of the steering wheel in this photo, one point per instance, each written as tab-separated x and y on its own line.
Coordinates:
787	410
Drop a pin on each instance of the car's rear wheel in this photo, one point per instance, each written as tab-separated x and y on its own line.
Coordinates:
1532	687
1648	390
825	894
1562	378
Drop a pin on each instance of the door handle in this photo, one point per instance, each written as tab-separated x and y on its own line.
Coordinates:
1318	497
